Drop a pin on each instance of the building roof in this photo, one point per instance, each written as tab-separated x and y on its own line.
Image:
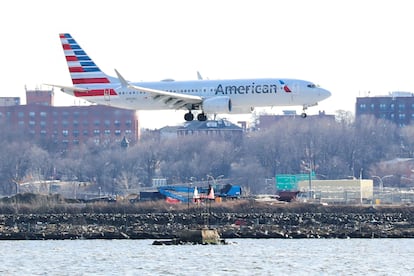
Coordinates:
210	124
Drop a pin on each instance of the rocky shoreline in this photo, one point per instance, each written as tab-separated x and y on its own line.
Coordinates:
243	221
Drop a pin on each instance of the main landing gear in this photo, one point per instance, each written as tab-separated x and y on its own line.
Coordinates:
190	116
202	117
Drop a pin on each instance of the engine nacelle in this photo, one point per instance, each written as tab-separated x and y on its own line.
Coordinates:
217	105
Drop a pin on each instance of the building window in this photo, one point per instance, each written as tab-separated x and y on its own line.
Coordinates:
383	106
362	106
32	123
65	123
96	122
117	132
401	106
85	132
65	132
107	131
32	114
42	123
401	116
20	114
372	106
107	122
117	123
96	131
75	133
128	123
43	114
75	123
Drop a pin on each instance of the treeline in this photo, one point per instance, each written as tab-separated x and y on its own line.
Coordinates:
332	149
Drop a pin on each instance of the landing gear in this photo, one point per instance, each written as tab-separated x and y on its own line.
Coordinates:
304	115
188	116
201	117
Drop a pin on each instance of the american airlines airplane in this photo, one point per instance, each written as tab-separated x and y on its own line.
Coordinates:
231	96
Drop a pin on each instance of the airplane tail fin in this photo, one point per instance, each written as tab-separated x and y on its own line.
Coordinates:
83	71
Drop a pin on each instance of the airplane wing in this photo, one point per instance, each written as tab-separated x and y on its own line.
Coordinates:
69	89
171	99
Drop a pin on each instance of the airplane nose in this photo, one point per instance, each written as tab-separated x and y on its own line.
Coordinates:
325	93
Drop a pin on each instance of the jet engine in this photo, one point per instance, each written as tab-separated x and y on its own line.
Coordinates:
217	105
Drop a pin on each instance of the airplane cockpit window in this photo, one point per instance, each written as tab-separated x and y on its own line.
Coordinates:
311	85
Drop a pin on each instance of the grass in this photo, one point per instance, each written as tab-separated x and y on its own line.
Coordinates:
55	204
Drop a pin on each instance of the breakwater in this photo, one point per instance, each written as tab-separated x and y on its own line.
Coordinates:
243	220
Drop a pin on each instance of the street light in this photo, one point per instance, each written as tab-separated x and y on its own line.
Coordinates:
324	176
381	182
214	179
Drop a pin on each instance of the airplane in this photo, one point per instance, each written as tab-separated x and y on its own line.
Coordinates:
230	96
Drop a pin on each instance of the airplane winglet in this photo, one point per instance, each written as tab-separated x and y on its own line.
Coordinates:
199	77
122	80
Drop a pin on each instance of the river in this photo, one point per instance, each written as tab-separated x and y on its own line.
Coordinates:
239	257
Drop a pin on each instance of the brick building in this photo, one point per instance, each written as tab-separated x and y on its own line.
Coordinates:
397	107
69	125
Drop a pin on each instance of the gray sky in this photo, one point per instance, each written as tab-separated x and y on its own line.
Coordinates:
348	47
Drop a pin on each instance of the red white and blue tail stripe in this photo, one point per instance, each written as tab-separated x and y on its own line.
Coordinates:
83	71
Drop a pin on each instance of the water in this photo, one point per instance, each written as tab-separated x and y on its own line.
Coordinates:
242	257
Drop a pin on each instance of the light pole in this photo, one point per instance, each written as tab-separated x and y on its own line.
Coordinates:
214	179
381	181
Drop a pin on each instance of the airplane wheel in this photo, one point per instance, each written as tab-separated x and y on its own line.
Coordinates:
202	117
189	116
304	115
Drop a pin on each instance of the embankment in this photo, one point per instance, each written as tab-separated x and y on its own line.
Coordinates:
241	219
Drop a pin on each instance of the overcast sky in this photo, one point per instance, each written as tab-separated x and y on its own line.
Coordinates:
348	47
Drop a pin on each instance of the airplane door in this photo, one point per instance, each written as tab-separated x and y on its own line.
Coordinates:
107	95
296	89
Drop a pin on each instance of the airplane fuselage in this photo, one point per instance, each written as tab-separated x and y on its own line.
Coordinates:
245	94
